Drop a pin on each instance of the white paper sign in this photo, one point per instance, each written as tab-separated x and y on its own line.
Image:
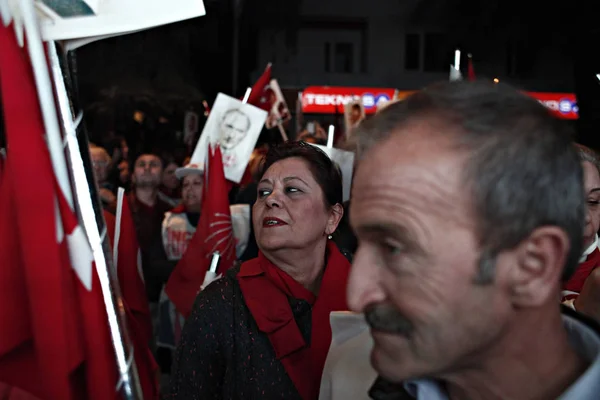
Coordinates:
235	126
115	17
345	160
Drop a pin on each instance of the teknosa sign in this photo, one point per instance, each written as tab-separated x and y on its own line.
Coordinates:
562	105
331	100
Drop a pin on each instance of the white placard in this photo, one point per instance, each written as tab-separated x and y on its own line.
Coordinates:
345	160
115	17
235	126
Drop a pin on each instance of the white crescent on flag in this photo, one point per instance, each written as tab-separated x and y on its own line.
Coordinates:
81	256
80	251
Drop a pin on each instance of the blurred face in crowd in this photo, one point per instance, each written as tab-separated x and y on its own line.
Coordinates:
290	211
147	171
591	183
355	114
124	149
233	128
123	171
414	272
100	162
191	192
169	180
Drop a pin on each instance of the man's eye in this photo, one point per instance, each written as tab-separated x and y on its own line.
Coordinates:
391	249
593	203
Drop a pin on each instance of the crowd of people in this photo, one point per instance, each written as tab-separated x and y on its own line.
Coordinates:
473	216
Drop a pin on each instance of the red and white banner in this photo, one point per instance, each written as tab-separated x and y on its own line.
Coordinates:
331	100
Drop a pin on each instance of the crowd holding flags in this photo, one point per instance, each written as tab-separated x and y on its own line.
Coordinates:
56	339
63	330
214	234
57	343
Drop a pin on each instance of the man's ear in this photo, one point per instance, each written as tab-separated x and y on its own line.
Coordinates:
335	216
537	266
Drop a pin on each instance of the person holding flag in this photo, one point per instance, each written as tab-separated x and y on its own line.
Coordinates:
262	331
178	234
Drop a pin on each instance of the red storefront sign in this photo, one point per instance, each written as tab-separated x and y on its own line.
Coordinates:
331	100
563	105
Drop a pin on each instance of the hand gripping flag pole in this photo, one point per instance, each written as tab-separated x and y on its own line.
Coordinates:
87	202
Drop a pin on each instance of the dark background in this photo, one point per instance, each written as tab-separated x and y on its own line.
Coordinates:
168	70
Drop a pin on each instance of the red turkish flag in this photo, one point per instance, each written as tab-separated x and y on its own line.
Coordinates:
129	272
61	348
41	348
260	94
214	233
134	299
12	393
100	364
470	69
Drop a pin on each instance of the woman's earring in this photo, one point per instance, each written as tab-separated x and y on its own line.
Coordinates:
329	237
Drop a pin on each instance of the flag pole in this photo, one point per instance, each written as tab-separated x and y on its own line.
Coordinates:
87	203
282	131
247	95
457	59
330	136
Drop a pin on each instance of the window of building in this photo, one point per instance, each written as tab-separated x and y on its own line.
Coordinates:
438	53
412	52
343	61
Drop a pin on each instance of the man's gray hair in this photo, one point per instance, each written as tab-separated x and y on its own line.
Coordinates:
522	170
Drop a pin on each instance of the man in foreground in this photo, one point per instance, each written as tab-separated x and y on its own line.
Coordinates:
469	209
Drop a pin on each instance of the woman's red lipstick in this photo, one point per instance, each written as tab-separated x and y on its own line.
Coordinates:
271	222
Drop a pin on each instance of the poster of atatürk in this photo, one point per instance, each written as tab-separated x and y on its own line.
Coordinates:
235	126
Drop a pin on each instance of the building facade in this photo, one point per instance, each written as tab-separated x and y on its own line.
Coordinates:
376	43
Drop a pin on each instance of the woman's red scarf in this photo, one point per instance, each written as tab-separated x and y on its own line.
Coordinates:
266	289
584	269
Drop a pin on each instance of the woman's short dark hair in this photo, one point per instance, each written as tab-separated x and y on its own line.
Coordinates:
324	171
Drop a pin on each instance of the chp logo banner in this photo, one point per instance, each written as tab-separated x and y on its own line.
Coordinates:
331	100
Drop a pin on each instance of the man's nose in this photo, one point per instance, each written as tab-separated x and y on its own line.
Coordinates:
364	283
588	216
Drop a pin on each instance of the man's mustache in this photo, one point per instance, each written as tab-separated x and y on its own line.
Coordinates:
384	317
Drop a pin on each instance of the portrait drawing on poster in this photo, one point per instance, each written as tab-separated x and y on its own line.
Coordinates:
235	126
